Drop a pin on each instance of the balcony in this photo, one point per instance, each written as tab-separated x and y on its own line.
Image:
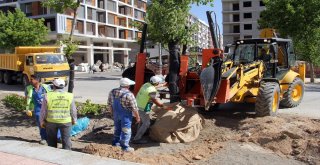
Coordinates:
126	1
126	34
125	10
90	2
140	4
107	31
122	22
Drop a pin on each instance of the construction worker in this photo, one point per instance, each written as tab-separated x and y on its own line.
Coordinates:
34	94
145	99
58	111
123	106
264	56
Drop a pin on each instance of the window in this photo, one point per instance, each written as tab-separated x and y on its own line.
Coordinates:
235	6
292	56
244	53
29	61
236	29
247	15
89	12
101	4
247	26
247	37
261	3
247	4
236	18
28	9
111	6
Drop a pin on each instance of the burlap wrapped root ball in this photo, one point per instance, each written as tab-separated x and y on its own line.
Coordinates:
182	124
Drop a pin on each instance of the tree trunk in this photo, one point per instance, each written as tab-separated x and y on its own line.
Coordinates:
174	69
311	72
69	56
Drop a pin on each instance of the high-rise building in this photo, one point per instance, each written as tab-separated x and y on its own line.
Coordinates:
103	27
201	37
240	19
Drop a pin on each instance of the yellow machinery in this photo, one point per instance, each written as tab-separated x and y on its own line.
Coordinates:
44	62
262	72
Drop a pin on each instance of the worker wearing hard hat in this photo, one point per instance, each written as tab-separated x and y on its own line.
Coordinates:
123	106
34	94
146	97
58	111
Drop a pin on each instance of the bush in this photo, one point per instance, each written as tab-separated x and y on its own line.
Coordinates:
89	108
15	101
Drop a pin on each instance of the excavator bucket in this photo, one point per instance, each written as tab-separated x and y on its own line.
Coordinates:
210	79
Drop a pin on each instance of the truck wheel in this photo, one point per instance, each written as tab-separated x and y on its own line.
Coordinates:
1	76
293	96
268	98
25	80
7	78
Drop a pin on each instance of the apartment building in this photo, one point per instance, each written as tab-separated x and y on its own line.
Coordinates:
240	19
202	37
103	27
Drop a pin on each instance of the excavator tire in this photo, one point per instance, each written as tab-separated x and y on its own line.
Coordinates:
293	96
267	103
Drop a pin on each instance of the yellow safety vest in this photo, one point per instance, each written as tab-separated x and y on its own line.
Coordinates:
143	96
59	104
30	104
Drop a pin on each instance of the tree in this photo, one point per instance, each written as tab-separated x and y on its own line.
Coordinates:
167	24
18	30
60	6
299	20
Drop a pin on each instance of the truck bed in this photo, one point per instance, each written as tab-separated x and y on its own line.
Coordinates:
10	62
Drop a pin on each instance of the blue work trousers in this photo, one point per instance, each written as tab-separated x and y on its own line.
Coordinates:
43	133
122	124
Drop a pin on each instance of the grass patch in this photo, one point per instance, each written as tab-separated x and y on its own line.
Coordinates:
15	101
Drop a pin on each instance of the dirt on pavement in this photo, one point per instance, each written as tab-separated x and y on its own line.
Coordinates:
288	138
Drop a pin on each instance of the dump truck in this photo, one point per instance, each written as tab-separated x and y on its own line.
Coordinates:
44	62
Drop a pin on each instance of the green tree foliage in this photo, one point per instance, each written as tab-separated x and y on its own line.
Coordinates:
18	30
299	20
61	6
167	24
167	20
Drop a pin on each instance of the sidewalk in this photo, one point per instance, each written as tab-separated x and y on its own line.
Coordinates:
19	152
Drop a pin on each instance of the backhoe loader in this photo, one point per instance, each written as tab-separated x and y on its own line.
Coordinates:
260	71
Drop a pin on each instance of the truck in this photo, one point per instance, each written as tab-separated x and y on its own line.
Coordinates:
47	63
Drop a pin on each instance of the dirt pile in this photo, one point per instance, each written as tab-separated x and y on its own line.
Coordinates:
211	140
285	135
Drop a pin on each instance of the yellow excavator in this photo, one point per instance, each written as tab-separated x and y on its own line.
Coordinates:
263	71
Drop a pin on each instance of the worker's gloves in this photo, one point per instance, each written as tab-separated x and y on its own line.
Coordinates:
29	113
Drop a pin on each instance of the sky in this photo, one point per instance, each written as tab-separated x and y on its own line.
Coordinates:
200	11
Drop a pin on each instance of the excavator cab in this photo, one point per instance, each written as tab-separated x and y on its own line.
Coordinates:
276	54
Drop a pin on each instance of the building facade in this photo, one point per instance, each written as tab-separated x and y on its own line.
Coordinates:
202	37
103	27
240	19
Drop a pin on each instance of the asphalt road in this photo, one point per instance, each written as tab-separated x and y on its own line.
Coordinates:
96	87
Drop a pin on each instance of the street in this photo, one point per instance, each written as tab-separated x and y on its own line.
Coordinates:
96	87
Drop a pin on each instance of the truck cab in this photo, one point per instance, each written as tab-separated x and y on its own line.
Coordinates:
47	66
43	61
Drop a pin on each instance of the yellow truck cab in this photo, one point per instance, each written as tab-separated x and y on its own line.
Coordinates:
45	62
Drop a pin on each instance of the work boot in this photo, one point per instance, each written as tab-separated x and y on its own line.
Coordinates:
43	142
128	149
